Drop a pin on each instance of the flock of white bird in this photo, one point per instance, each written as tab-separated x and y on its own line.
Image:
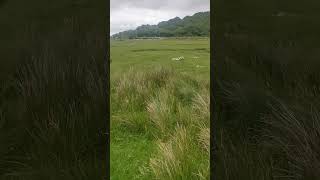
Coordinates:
178	58
182	58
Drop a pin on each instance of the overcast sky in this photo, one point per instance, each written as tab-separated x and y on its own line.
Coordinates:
129	14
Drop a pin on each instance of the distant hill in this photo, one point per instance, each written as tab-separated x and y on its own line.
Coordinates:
195	25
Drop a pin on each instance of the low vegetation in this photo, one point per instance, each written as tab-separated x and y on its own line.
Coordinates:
266	109
266	90
53	110
172	113
161	110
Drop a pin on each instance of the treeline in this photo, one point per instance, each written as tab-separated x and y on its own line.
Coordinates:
196	25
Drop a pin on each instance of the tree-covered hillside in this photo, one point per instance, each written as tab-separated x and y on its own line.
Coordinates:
196	25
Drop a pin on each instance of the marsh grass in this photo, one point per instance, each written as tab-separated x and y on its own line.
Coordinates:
266	105
53	107
165	106
294	133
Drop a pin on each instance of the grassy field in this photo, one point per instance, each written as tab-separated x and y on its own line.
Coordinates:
266	107
145	54
53	110
160	109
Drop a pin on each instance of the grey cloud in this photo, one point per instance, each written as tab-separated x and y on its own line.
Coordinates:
159	4
128	14
148	4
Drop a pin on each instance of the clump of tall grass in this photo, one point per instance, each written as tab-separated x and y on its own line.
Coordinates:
294	134
180	158
7	144
240	159
201	106
133	122
173	160
174	109
134	88
161	111
63	120
204	138
134	94
244	86
54	119
160	75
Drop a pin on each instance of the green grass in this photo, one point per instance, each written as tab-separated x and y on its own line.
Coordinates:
52	103
145	54
266	104
160	109
124	156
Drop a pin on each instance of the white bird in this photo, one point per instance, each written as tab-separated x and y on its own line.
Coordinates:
178	58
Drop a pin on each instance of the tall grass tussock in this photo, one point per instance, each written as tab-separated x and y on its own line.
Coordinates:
53	110
265	103
174	118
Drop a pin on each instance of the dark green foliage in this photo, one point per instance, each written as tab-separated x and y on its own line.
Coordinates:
266	54
52	95
196	25
147	31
